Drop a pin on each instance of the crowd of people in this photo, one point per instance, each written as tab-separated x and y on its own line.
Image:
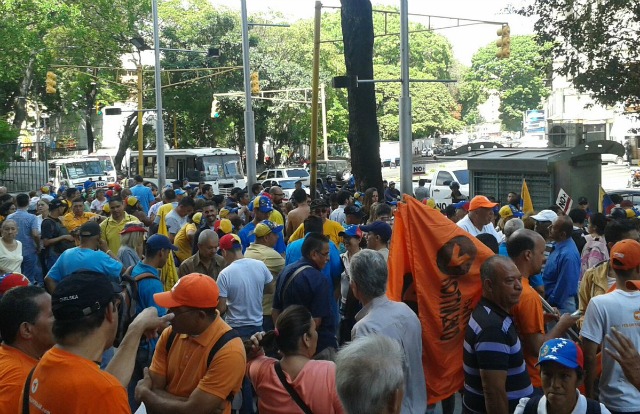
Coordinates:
281	305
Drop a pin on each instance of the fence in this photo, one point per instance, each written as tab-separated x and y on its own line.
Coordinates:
26	167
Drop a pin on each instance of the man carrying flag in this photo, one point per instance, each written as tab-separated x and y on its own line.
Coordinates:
605	204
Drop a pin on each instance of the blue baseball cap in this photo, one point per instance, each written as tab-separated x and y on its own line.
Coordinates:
262	203
379	228
563	351
351	231
180	191
160	242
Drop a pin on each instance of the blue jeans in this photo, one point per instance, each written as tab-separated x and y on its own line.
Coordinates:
245	333
31	268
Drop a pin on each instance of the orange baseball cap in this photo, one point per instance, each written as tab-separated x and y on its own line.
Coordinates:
480	202
625	255
194	290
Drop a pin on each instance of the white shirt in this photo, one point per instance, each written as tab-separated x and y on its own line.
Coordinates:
580	408
338	215
10	261
242	284
466	224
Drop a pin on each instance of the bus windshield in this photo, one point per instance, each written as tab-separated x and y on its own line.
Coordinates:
83	169
221	166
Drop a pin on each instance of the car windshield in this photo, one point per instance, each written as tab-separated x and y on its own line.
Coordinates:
298	172
220	166
83	169
287	184
462	176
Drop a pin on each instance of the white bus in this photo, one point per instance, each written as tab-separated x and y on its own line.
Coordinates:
220	167
74	172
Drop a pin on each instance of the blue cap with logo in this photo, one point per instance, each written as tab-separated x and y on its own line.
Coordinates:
563	351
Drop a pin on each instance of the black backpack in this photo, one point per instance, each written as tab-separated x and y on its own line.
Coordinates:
130	300
593	407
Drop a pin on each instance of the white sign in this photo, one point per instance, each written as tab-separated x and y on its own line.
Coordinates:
419	169
564	201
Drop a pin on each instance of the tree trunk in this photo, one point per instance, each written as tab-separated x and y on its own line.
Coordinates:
129	131
90	99
20	102
364	135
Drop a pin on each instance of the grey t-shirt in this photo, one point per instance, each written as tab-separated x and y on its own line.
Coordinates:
619	310
127	256
175	222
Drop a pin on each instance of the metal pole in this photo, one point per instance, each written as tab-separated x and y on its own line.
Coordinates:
249	119
324	122
406	156
313	143
140	130
158	86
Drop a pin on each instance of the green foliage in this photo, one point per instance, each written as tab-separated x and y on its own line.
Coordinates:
8	135
595	44
519	80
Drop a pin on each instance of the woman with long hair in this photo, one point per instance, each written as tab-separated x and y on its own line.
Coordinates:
10	248
276	382
131	241
370	197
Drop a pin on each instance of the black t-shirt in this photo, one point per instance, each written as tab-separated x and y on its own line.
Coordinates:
52	228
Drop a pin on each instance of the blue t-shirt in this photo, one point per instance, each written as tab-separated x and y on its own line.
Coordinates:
146	289
27	224
78	258
247	237
332	270
144	196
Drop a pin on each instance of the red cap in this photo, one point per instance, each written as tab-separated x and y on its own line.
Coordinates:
194	290
229	241
11	280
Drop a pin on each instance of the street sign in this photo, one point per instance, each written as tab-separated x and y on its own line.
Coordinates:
564	201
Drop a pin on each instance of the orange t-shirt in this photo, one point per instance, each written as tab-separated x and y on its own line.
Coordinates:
67	383
529	319
185	368
315	383
15	366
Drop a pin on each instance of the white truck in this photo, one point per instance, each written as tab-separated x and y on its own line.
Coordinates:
439	182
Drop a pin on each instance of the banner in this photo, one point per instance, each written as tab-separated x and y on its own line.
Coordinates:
169	273
434	267
564	201
525	199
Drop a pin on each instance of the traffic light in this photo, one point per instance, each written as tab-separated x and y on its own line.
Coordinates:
255	83
214	109
51	82
504	43
99	107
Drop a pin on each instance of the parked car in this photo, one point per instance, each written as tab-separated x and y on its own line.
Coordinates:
292	173
427	152
626	194
339	170
288	186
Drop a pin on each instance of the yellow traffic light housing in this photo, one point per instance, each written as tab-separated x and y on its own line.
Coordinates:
214	109
51	82
504	43
255	83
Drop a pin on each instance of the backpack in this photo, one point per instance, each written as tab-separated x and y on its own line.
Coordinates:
593	406
129	304
593	253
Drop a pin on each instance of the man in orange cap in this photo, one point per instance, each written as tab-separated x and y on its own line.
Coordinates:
616	311
480	218
199	361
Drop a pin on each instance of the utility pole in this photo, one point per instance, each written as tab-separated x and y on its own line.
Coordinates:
140	131
324	122
158	82
406	156
313	142
249	119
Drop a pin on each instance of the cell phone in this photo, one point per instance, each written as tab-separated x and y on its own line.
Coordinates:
577	313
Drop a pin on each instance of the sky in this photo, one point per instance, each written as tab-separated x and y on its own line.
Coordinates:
465	40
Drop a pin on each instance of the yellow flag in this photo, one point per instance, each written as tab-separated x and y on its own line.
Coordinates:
168	274
525	197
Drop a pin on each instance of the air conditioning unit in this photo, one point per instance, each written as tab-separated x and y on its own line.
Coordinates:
565	134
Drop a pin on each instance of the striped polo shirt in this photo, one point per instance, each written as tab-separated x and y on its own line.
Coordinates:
491	343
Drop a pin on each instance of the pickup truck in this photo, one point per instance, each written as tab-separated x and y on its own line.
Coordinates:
439	183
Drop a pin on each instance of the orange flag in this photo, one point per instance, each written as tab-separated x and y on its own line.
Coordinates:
434	267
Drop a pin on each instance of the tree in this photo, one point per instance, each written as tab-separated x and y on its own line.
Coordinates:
595	44
520	81
364	135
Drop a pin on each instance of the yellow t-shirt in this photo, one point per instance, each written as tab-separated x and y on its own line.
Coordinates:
330	228
111	231
183	243
276	217
71	222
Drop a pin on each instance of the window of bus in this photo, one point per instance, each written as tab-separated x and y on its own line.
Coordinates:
215	167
